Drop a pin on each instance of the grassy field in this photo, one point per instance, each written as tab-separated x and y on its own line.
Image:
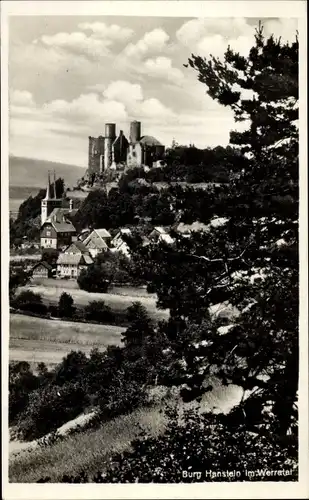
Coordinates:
117	302
136	292
92	449
89	450
35	339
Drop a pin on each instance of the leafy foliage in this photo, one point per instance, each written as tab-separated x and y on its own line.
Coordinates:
66	306
50	407
98	311
50	255
107	268
196	449
18	277
29	301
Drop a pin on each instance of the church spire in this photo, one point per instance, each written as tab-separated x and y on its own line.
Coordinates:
55	193
47	196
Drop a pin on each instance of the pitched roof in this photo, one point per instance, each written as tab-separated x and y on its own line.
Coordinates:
98	243
103	233
58	219
160	229
65	227
42	263
79	245
65	258
166	238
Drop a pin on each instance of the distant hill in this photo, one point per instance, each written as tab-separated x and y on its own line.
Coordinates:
30	173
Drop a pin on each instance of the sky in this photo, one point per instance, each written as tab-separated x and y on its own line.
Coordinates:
69	75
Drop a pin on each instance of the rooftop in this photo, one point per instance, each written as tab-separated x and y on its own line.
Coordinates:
72	259
79	245
103	233
149	140
44	264
65	227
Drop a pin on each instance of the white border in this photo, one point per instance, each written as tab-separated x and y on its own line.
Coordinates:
258	9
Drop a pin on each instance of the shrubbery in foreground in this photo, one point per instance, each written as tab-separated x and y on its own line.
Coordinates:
201	448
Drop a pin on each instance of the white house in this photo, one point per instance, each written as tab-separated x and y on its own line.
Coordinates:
159	234
97	241
73	260
119	244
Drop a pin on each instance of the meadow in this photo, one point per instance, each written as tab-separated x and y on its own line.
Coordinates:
41	340
117	302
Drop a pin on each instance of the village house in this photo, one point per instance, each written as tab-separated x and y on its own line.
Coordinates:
186	230
73	260
84	233
123	248
57	231
119	244
41	270
159	234
119	238
98	241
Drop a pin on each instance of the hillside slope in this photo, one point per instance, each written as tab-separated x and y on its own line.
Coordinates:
25	172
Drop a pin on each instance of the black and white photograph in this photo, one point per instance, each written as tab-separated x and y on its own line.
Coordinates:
154	262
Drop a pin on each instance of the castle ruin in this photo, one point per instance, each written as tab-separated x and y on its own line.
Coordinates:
116	152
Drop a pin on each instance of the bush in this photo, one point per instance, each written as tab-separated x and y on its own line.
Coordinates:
71	369
29	301
49	408
18	277
211	445
92	280
21	383
120	397
96	310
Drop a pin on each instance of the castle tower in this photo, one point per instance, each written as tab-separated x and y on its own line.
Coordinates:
135	132
95	153
110	136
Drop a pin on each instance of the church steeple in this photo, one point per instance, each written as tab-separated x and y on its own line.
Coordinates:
50	202
47	196
55	190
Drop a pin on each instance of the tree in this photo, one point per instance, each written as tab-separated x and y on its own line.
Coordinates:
50	255
18	277
92	280
21	383
29	301
94	211
66	306
251	261
271	181
140	325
